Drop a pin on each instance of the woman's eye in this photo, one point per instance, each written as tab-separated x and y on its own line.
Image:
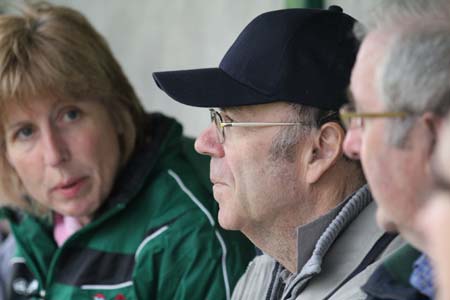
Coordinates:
24	133
71	115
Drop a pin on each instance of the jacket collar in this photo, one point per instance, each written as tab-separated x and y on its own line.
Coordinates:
158	132
391	279
353	207
309	234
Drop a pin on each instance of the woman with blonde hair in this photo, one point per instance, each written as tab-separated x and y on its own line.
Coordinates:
104	200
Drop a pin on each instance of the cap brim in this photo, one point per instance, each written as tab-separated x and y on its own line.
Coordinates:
210	87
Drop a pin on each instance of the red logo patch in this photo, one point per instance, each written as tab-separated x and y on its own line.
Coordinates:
99	297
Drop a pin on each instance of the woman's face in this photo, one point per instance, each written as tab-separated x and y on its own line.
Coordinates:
66	153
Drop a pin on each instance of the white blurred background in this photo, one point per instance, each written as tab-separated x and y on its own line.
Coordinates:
160	35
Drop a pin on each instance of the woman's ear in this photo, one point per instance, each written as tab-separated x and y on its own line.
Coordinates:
325	151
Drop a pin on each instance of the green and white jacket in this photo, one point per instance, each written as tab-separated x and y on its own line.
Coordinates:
156	236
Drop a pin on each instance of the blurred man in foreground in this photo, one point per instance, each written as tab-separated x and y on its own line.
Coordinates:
434	220
400	87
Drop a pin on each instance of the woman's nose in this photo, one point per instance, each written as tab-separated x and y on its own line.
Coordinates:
55	148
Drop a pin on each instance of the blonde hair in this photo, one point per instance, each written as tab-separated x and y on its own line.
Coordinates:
53	51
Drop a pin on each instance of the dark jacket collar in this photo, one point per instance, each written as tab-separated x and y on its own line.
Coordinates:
390	281
158	132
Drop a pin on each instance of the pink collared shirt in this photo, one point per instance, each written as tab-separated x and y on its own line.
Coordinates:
64	227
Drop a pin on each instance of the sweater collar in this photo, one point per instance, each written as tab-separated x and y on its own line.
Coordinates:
353	206
309	234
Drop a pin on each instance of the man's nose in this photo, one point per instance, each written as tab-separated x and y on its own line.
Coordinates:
352	143
208	143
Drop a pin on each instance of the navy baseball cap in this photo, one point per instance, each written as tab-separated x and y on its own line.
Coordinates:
303	56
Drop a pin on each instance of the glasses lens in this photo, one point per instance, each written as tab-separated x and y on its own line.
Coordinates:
217	119
355	122
346	122
345	115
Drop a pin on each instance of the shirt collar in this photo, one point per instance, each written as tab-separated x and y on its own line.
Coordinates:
422	276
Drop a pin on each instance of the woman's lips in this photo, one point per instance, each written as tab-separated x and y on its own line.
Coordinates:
70	189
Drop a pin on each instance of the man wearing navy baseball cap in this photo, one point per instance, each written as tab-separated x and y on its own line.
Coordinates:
277	165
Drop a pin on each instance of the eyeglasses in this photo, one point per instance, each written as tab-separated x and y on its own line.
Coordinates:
217	120
352	119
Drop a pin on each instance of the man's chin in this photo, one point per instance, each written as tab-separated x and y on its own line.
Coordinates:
226	222
386	224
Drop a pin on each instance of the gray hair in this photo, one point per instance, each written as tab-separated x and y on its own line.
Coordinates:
414	75
285	143
394	13
424	55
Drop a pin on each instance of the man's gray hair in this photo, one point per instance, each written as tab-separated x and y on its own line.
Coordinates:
414	75
285	143
394	13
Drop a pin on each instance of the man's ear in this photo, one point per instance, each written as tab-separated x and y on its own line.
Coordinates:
432	124
325	150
